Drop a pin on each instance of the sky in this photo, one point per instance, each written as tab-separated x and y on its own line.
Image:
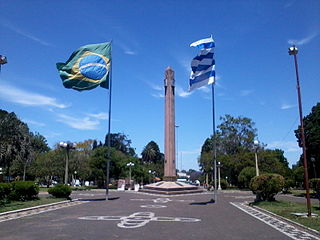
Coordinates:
255	74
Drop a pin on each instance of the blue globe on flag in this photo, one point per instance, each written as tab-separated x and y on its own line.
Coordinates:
93	67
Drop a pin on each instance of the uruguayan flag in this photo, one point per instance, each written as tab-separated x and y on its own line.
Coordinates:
203	65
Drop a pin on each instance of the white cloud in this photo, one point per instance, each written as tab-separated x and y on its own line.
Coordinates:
286	106
32	122
156	87
15	95
126	49
205	89
303	40
159	90
25	34
182	93
78	123
157	95
101	116
289	146
130	52
246	92
185	64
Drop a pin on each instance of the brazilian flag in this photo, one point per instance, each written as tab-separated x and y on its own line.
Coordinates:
88	67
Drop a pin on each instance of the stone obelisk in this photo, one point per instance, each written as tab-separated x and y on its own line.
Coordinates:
169	185
169	126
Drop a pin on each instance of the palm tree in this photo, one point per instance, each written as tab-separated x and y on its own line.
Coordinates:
151	153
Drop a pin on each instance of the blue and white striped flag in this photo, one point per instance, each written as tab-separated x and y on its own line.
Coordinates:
203	65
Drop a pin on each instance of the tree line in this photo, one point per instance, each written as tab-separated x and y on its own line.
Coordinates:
235	150
26	155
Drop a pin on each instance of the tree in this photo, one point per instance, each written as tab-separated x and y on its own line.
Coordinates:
49	166
312	138
39	143
120	142
118	162
151	153
237	134
14	143
234	144
273	161
79	166
246	175
235	151
298	175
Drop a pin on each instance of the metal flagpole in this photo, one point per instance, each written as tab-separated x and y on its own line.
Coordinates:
109	129
214	147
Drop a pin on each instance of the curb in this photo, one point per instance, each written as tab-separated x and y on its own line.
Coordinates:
36	207
285	219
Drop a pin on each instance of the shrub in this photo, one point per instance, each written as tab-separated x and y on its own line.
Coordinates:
266	186
24	190
5	190
60	191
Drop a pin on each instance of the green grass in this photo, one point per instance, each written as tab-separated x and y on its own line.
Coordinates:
284	209
15	205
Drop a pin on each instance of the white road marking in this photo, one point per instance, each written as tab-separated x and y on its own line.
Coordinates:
162	200
153	206
139	219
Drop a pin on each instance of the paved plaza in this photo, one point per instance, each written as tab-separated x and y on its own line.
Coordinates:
131	215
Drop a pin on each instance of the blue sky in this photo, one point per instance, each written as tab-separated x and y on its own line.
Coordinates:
256	77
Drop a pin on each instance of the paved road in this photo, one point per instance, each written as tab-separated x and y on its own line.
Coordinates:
137	216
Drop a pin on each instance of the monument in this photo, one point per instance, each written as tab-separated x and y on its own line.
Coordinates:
169	127
169	185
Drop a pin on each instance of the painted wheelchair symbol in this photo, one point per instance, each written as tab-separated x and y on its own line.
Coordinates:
139	219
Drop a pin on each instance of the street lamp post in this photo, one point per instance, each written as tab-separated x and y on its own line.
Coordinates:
130	164
219	183
256	146
68	146
294	51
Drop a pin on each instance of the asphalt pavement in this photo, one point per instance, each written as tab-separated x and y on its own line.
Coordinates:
136	216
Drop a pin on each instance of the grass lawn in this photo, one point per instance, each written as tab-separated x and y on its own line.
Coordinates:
284	209
15	205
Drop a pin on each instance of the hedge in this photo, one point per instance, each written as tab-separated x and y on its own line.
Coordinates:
60	191
18	191
24	190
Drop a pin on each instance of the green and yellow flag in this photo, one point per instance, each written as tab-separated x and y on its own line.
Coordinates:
88	67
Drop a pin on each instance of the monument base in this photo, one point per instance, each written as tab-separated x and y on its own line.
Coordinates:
171	188
169	178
